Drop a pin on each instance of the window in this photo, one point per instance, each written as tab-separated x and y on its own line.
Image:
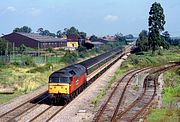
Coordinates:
59	80
64	80
54	80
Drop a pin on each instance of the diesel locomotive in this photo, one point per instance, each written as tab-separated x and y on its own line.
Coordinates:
70	81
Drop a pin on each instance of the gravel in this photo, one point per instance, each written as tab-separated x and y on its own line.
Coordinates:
21	99
83	101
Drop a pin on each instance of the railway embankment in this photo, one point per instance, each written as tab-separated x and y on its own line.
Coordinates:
81	108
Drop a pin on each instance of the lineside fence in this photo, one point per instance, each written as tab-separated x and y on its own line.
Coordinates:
38	59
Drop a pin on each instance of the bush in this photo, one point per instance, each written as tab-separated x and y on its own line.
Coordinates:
16	63
28	61
70	57
82	55
82	49
178	71
41	69
50	50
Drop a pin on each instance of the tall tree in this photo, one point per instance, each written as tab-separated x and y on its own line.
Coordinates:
142	41
156	26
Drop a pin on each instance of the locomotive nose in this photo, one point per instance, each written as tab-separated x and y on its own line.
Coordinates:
58	88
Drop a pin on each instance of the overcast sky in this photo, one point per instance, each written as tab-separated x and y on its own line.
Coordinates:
99	17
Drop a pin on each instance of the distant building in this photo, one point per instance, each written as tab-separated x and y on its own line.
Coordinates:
109	38
72	41
34	40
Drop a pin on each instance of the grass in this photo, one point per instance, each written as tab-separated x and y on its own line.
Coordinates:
147	59
164	115
23	81
171	95
36	59
7	97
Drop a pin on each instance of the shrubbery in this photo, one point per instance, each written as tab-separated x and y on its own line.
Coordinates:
28	61
41	69
70	57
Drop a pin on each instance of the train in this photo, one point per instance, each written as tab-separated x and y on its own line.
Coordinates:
71	80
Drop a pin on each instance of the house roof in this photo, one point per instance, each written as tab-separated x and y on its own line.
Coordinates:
73	38
41	38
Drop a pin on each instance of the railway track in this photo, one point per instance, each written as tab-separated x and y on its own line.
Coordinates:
47	114
134	110
111	110
22	108
111	104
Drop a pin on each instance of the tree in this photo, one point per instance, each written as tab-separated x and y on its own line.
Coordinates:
40	30
45	32
129	36
24	29
71	32
82	35
156	26
59	34
166	36
120	38
5	46
93	38
22	48
142	41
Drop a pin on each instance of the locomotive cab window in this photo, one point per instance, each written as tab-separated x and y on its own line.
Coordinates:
60	80
54	80
65	80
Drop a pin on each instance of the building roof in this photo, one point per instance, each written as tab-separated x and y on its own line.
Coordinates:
41	38
73	38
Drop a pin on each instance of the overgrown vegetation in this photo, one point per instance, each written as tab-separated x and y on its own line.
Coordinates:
171	96
24	79
142	59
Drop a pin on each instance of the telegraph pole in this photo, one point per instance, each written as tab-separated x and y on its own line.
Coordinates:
13	52
6	52
38	49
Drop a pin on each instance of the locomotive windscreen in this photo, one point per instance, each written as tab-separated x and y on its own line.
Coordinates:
59	80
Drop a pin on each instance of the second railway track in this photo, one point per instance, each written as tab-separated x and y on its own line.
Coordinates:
31	104
111	110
